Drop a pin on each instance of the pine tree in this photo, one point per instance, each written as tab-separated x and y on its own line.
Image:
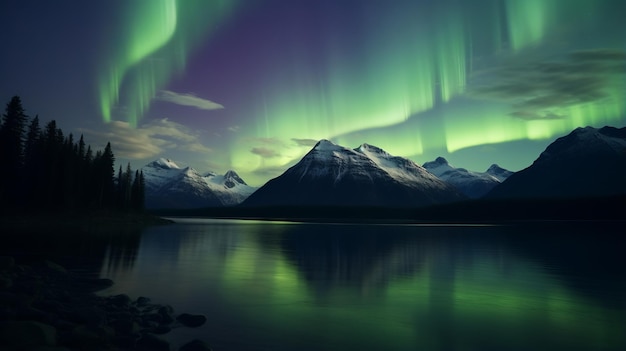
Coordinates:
33	164
104	163
12	150
81	148
128	177
137	196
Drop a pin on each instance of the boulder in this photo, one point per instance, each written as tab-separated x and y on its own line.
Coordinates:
166	314
120	301
142	301
191	320
195	345
149	342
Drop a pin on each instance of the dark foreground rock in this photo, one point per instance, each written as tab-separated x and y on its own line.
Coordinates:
45	307
190	320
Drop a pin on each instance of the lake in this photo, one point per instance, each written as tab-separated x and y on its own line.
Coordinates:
297	286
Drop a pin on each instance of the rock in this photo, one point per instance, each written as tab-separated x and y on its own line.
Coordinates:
191	320
142	301
149	342
121	300
161	329
126	327
27	335
166	314
89	315
195	345
6	263
152	317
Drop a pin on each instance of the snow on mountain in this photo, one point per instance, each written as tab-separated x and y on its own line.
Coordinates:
332	175
498	172
170	186
472	184
586	162
399	168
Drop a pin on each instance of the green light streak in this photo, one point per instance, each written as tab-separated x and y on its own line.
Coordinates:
154	43
498	128
527	21
412	59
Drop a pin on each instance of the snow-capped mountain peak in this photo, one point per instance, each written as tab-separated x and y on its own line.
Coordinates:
498	172
331	174
326	145
439	166
164	163
371	149
231	178
472	184
169	186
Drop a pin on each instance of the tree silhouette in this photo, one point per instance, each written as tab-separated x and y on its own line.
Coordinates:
44	170
11	149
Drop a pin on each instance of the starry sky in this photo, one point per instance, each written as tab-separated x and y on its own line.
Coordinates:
251	85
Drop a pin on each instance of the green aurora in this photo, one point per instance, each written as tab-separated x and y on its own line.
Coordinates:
155	39
375	77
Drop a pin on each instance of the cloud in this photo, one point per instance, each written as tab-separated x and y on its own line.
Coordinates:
534	88
531	115
234	129
188	100
264	152
305	142
149	140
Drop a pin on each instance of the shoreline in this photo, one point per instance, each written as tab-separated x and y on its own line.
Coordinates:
44	305
78	220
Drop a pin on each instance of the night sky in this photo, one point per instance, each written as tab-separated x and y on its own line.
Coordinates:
251	85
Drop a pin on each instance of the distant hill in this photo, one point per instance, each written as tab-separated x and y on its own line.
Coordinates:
332	175
472	184
588	162
173	187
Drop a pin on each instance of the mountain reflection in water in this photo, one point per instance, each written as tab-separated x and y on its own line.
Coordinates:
287	286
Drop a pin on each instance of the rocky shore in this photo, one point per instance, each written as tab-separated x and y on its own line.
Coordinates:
44	307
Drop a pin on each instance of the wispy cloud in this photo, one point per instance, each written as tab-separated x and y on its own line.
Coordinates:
532	115
305	142
147	141
264	152
188	100
536	88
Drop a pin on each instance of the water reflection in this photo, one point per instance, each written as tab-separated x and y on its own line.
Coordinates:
312	286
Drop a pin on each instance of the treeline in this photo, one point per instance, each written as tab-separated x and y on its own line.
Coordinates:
42	169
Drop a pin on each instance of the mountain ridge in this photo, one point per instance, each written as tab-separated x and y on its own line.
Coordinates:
330	174
586	162
170	186
473	184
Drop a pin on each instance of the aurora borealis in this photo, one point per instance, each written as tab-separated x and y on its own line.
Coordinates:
251	85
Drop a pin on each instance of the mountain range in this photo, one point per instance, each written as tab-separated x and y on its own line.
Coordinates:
472	184
588	162
173	187
333	175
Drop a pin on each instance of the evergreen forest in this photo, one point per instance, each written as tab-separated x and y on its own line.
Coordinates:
44	170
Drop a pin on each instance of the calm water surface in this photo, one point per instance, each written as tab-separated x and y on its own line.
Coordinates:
289	286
